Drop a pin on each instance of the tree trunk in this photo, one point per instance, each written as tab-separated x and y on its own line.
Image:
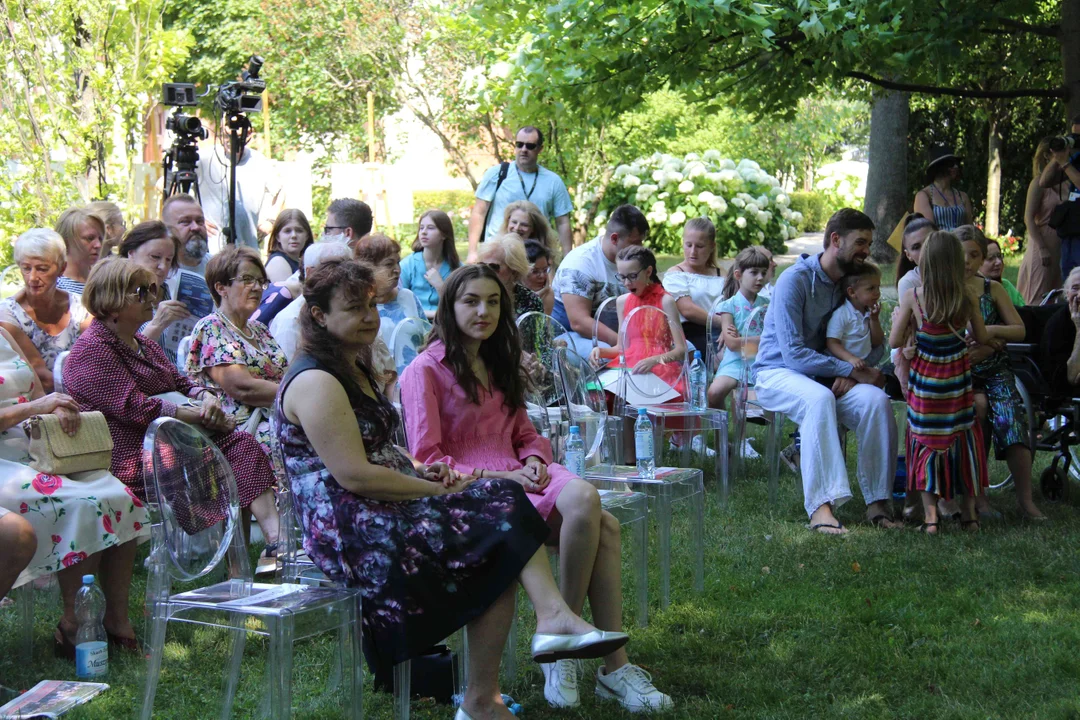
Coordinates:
1070	55
993	178
887	197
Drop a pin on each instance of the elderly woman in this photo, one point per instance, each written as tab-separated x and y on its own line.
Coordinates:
50	317
538	280
152	246
429	550
696	283
1061	341
395	303
527	221
505	255
231	352
115	226
116	370
289	238
84	235
85	523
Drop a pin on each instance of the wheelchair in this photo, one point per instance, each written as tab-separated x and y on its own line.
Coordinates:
1052	406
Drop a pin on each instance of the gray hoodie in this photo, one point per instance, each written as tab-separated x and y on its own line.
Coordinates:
794	335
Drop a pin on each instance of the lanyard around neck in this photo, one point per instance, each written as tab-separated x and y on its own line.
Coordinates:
528	194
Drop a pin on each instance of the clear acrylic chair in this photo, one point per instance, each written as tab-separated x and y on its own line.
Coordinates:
647	332
182	348
294	566
406	341
195	515
712	336
58	371
586	407
746	408
540	335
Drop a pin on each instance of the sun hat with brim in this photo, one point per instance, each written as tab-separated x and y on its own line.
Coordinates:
937	155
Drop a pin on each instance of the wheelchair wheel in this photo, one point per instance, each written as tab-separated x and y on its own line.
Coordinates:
1052	483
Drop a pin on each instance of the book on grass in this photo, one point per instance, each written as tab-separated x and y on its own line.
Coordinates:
50	699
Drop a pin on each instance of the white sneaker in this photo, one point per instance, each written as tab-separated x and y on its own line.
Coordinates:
633	688
698	443
748	450
561	683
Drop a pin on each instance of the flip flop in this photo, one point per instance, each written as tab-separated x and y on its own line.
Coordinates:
924	528
880	519
837	526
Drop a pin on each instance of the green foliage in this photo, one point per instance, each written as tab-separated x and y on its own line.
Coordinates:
747	205
451	202
815	208
75	91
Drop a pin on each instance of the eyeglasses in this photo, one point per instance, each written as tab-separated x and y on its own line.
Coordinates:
497	267
538	271
250	281
328	228
144	292
629	277
527	146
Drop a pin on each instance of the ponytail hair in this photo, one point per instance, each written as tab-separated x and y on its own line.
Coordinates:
644	257
751	257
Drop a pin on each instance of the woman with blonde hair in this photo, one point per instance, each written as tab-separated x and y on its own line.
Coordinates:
84	238
505	254
527	221
1040	270
115	227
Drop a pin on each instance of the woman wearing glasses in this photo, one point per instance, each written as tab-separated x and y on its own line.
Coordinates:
117	371
231	352
506	256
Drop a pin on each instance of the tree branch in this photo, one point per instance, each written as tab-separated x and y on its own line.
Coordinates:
1051	31
1057	92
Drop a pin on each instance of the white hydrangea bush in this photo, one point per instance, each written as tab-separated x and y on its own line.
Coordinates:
746	204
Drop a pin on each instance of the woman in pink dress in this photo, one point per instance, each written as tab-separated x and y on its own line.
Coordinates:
463	405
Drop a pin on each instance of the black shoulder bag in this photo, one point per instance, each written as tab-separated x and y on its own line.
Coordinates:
504	169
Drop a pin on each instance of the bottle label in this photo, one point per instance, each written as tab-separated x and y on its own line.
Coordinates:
643	446
575	462
92	659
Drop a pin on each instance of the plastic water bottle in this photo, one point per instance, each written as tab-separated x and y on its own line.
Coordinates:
698	381
643	445
91	643
575	452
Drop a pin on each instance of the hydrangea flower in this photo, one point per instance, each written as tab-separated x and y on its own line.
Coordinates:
751	208
782	200
705	196
686	186
621	170
763	218
727	164
740	222
711	156
738	202
729	174
718	205
696	170
664	195
631	181
658	176
677	218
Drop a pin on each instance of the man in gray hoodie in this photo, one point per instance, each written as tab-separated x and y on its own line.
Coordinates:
792	354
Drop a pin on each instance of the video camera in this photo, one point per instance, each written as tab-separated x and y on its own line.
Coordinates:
180	160
244	95
1064	142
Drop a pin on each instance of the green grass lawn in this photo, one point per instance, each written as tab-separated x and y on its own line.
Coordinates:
877	624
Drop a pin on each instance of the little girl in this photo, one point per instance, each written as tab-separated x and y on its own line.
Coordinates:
433	258
655	347
944	442
748	273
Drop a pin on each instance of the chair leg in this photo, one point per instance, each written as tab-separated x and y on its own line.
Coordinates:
353	692
640	535
697	530
663	521
158	621
402	690
772	455
722	459
238	639
24	604
509	661
281	651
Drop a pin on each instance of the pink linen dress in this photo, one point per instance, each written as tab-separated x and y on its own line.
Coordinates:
444	425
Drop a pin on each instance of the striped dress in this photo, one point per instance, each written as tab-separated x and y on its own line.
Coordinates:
945	453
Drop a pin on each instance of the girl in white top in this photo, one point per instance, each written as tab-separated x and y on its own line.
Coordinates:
696	282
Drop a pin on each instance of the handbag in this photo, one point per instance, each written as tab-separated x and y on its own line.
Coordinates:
54	452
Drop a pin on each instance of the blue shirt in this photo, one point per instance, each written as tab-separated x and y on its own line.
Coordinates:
413	269
543	188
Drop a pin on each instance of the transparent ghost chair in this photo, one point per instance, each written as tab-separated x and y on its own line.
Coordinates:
745	406
540	334
406	341
195	515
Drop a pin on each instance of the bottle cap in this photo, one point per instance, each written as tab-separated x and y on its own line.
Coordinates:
87	579
574	430
697	354
643	411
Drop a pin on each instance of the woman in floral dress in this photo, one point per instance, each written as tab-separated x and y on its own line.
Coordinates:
232	353
86	523
430	550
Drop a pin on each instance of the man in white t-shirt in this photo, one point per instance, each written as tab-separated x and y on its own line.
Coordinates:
259	194
587	277
525	179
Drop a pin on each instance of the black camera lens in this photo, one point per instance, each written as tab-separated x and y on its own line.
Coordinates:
1057	144
189	123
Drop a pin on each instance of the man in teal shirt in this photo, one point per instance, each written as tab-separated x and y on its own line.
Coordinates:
525	180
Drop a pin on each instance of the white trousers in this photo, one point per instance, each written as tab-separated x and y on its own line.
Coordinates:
865	410
580	344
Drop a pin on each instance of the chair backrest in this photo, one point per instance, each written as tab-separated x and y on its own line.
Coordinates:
406	341
58	371
714	353
540	335
885	317
182	348
586	401
607	314
754	327
646	333
194	504
11	281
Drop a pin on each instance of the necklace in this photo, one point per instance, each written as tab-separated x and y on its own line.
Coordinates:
528	195
231	324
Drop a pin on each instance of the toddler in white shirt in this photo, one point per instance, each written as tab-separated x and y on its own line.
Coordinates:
854	329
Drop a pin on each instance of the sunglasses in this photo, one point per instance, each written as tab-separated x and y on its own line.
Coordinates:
145	292
527	146
497	267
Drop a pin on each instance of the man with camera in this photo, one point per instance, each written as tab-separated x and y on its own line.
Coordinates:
1065	165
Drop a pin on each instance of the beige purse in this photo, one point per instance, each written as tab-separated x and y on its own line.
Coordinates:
54	452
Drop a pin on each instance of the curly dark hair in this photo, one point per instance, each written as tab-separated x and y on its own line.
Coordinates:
357	281
501	352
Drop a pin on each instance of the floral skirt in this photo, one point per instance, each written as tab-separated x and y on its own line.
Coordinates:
73	517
